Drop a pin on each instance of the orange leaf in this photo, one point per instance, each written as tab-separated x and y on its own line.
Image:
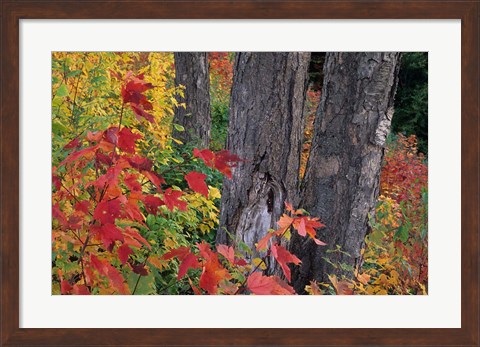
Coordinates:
227	252
263	243
342	287
283	257
267	285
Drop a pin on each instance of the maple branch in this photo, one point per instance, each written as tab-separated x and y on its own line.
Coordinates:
186	159
242	285
85	277
118	132
121	116
74	197
75	121
262	260
139	275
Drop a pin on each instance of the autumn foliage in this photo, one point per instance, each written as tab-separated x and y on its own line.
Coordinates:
106	193
132	214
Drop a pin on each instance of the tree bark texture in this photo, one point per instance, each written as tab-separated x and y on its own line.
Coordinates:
341	182
191	71
266	129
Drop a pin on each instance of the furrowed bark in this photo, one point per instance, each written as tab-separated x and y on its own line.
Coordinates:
341	182
191	71
265	129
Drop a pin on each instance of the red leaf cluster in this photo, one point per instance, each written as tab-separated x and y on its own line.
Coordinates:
132	93
223	160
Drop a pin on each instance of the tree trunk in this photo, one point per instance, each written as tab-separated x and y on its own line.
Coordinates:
265	129
191	71
341	183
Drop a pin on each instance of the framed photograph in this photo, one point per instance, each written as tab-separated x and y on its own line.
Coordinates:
86	178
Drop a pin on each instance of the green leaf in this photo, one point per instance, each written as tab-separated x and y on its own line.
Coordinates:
146	284
402	233
58	127
178	127
62	90
99	79
376	236
150	221
74	73
244	247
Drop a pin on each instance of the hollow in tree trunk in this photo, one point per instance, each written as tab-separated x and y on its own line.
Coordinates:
265	129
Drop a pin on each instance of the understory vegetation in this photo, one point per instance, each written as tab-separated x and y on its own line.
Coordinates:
135	210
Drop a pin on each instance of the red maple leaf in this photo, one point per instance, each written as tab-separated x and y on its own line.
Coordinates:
73	144
189	262
133	89
131	181
132	210
262	245
283	257
65	287
116	280
132	94
80	289
196	182
107	211
213	272
227	252
211	277
139	269
98	264
306	225
180	253
126	140
155	179
124	252
87	153
284	223
267	285
186	257
139	163
206	155
83	206
224	161
133	238
111	135
152	203
171	199
141	113
58	215
95	136
108	234
57	182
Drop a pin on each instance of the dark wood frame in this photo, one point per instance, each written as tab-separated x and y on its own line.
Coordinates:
13	10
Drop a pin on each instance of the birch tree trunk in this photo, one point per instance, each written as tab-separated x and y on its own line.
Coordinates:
191	71
341	182
265	129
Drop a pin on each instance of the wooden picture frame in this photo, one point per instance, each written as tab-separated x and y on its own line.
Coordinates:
14	10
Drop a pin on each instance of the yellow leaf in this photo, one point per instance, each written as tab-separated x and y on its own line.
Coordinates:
260	263
214	193
180	143
363	278
155	261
